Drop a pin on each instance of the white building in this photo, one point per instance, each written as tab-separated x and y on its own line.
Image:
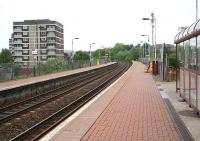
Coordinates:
34	41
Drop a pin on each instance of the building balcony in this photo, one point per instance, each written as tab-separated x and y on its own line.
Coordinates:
18	54
51	47
51	53
51	29
17	36
25	27
17	42
18	59
17	30
18	48
51	35
51	41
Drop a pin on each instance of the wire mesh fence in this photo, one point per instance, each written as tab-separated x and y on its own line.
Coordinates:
15	71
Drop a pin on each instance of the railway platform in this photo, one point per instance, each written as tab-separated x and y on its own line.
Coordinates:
32	80
131	109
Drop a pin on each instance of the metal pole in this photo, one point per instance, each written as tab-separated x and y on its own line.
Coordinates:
99	54
152	35
72	59
176	69
39	57
149	49
90	56
152	22
155	37
196	10
72	55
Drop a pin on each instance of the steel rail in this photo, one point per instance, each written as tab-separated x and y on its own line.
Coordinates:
41	100
65	111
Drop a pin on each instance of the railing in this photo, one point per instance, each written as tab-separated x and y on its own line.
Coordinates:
18	71
51	53
51	41
17	29
17	36
50	29
17	42
51	35
51	47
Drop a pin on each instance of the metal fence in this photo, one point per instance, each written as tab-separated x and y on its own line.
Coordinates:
161	68
15	71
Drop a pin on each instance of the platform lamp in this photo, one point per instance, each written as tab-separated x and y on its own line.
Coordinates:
153	23
91	53
147	45
72	56
142	52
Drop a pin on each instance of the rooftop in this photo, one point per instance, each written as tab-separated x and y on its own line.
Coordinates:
37	21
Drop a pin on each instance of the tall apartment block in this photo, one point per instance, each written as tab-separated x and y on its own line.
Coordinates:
34	41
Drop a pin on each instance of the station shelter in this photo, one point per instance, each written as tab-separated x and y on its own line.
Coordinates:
188	69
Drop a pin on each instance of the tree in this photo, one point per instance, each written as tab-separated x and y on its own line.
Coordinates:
135	52
53	65
81	55
171	54
125	52
172	59
6	56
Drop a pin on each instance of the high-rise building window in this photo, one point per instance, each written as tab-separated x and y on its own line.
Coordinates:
43	39
25	27
25	33
25	39
25	45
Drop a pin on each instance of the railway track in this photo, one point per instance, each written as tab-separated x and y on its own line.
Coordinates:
13	110
69	79
49	110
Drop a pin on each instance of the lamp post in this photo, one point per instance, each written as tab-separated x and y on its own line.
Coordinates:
72	56
153	23
39	47
142	51
91	53
196	10
147	46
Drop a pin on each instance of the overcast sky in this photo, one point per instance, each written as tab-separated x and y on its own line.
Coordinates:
104	22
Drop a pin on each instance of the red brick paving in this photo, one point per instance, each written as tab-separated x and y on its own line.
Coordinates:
137	113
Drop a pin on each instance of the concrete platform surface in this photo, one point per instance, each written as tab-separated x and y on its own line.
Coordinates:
21	82
187	114
131	110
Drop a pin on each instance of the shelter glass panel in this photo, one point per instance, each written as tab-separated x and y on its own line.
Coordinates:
181	58
182	90
178	68
198	74
193	88
198	91
186	55
193	54
193	77
181	55
198	53
187	85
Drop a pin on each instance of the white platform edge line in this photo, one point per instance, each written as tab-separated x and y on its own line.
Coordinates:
78	112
